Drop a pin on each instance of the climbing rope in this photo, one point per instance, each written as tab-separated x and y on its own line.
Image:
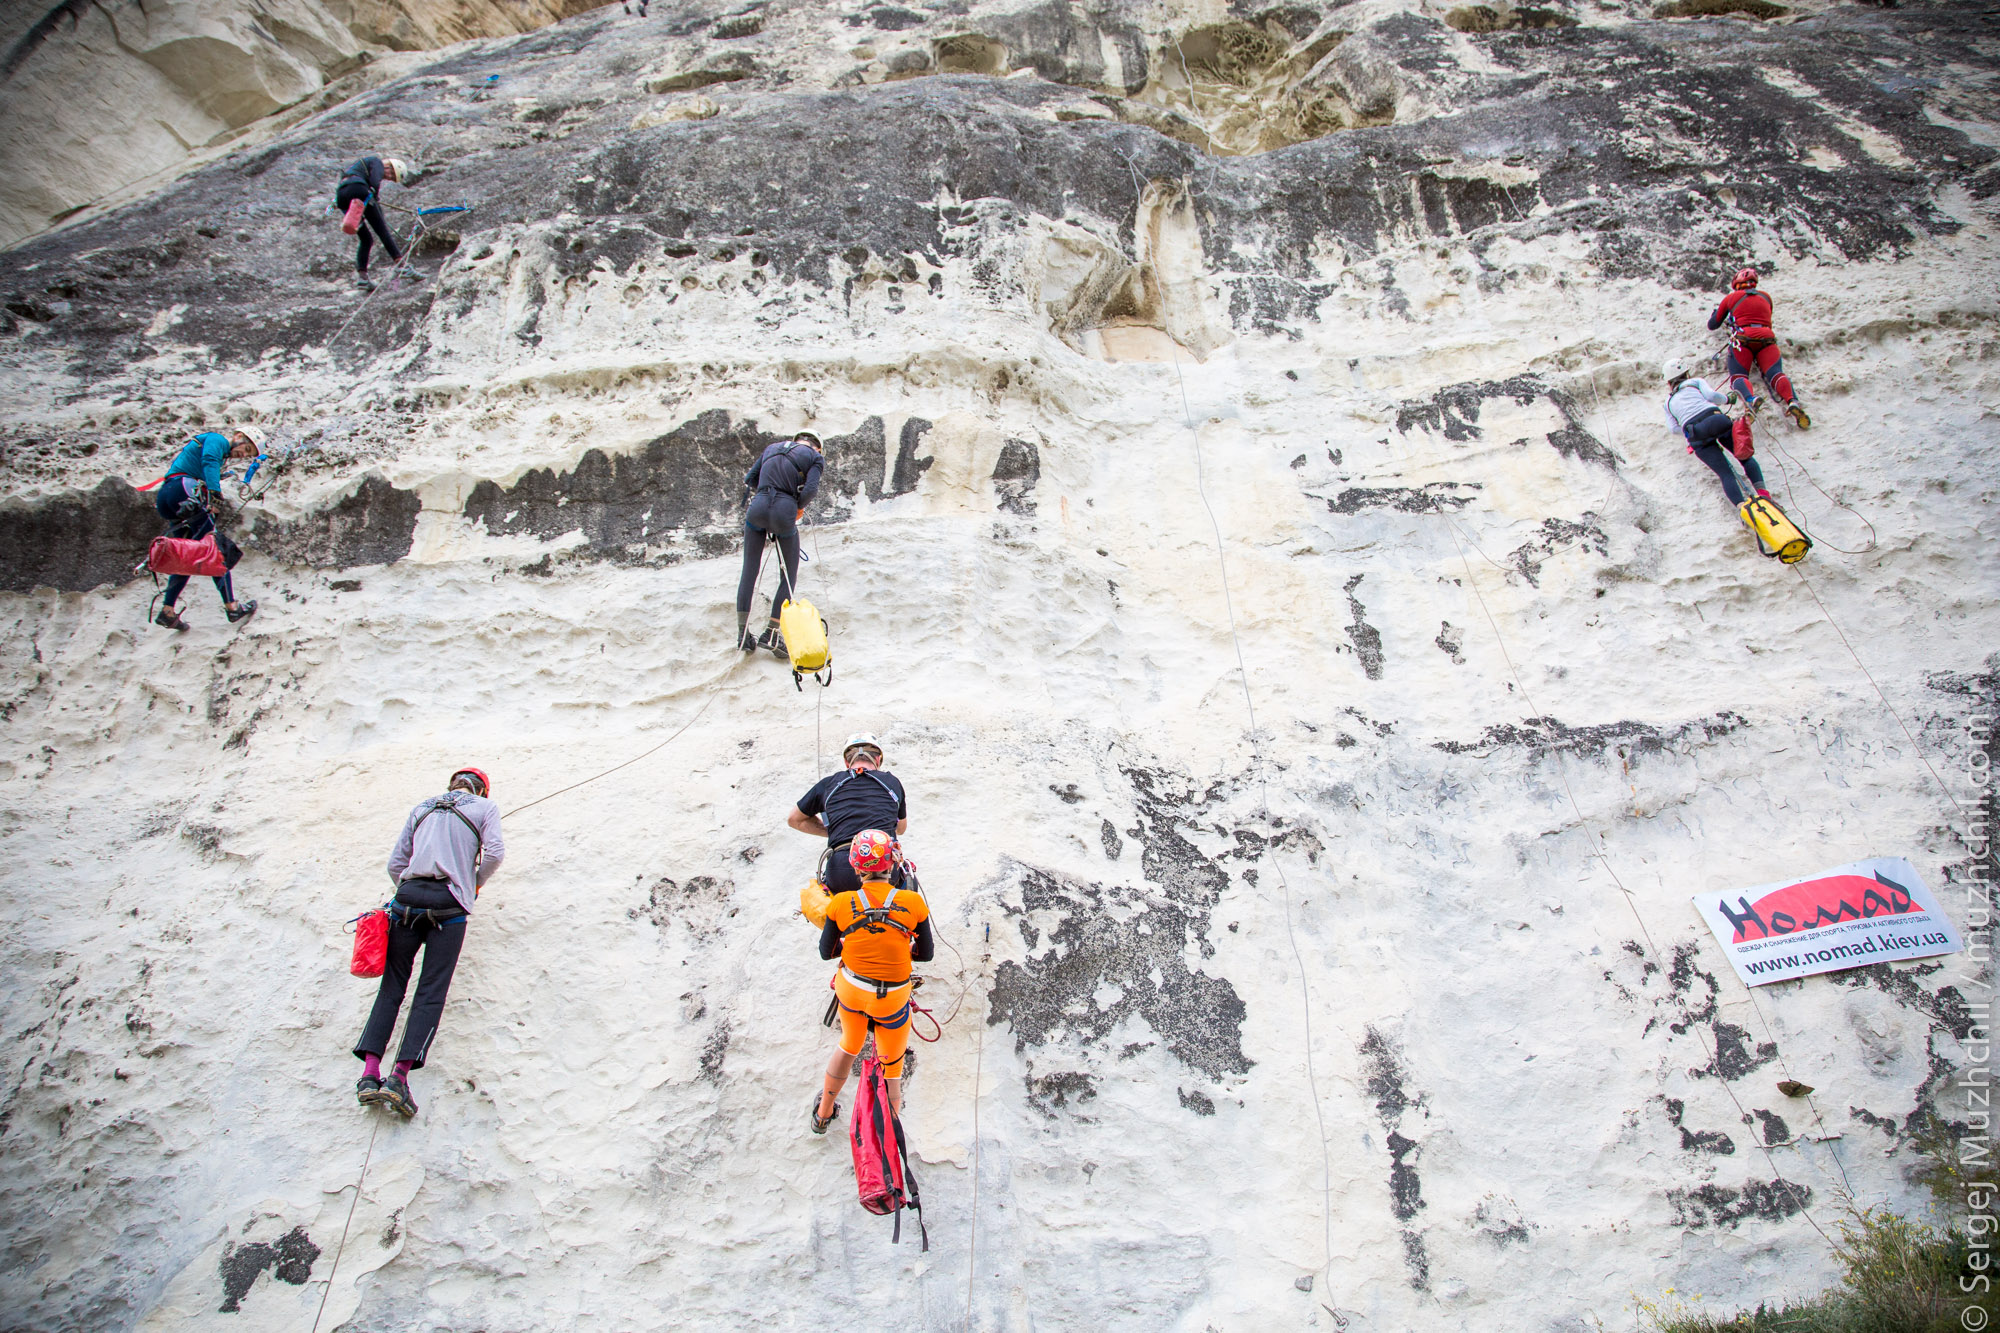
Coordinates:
978	1070
1891	708
341	1248
1264	798
1812	1104
1631	900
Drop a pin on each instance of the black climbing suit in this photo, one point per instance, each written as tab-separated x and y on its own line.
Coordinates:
362	180
781	482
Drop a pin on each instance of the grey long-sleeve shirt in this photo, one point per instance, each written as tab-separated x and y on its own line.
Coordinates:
443	847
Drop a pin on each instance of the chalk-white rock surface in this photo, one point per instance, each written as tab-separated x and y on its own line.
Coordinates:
1320	677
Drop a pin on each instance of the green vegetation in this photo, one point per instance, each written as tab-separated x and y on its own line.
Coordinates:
1898	1275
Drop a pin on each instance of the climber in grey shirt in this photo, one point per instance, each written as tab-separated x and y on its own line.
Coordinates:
450	845
454	837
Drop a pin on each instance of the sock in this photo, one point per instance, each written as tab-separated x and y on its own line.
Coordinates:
403	1068
371	1066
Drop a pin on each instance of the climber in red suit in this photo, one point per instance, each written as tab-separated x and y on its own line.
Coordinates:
1752	342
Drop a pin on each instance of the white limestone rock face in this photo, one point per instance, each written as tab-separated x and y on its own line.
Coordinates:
1320	677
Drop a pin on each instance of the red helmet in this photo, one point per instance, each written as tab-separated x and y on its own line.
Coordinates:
485	787
1745	277
872	852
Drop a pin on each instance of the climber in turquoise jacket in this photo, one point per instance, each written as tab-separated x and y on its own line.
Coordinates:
193	478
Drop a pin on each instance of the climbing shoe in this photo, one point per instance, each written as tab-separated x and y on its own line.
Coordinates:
1763	494
820	1123
746	641
367	1091
170	618
395	1094
241	611
362	284
1798	415
772	640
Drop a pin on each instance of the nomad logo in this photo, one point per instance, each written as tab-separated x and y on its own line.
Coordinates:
1816	903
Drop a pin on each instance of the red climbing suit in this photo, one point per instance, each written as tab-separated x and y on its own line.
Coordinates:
1752	342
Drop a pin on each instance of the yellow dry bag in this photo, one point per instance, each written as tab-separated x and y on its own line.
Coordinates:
804	633
1776	534
813	900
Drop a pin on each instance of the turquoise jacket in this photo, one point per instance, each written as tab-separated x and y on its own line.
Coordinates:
202	457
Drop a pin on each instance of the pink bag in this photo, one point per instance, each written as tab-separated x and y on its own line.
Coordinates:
352	222
881	1162
371	944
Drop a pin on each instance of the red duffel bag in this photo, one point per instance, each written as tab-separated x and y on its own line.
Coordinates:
183	555
350	222
371	944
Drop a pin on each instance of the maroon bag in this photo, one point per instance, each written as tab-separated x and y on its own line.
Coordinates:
881	1161
1740	443
183	555
371	944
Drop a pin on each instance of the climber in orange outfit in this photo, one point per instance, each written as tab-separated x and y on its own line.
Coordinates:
877	932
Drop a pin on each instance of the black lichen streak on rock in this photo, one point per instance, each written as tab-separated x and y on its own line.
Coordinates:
1066	1090
1453	412
713	1052
77	541
1110	935
1435	497
1557	532
1367	640
689	480
1015	474
1543	734
909	468
1388	1084
290	1259
1776	1131
1197	1101
373	524
1720	1206
1736	1053
82	540
1712	1141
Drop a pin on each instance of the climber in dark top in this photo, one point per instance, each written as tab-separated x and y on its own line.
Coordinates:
779	486
360	184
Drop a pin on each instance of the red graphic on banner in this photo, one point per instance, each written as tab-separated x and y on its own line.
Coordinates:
1816	903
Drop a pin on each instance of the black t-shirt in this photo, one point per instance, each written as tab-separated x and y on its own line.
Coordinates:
850	803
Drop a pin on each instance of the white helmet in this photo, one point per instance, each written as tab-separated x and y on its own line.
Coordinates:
857	740
1673	368
398	169
255	441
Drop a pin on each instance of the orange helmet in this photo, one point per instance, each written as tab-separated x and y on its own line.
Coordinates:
485	787
1745	277
872	852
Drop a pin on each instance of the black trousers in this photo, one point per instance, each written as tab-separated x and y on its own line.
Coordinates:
773	515
440	945
371	218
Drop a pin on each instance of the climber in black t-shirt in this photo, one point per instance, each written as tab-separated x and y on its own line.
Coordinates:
861	796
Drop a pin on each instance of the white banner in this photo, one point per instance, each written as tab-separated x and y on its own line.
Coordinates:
1874	911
